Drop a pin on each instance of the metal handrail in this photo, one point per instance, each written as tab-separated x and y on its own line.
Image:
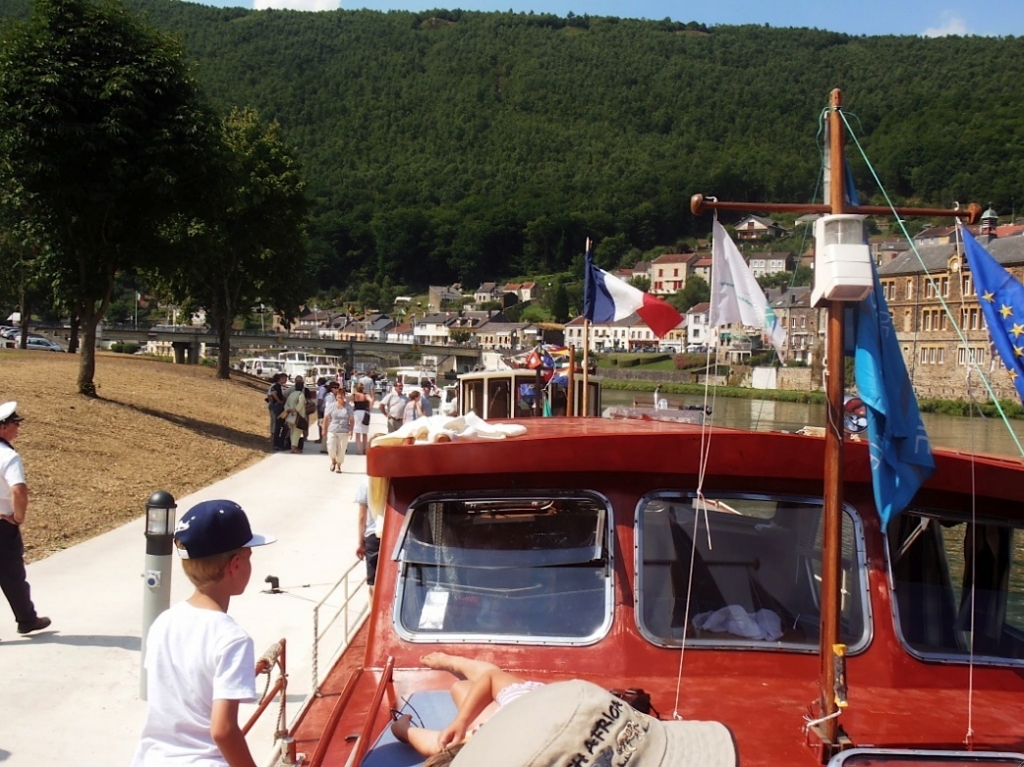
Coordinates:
351	623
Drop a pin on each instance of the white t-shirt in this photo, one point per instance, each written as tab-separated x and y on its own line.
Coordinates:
362	499
193	657
12	473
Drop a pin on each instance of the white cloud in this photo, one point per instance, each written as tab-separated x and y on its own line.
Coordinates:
296	5
950	24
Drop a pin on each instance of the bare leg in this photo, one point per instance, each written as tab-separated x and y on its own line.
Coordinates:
462	667
469	672
423	740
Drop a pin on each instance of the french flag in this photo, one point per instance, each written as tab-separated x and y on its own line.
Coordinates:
607	298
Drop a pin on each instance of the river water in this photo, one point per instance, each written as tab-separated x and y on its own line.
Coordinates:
977	434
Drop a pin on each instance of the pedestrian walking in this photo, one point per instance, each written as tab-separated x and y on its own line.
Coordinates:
13	512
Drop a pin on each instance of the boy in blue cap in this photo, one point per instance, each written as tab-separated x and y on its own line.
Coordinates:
199	662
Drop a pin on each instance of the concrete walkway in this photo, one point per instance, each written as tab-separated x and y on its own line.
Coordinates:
70	695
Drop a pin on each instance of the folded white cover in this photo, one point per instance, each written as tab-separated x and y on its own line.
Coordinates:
445	428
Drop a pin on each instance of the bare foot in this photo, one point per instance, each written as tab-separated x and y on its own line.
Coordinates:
400	727
441	661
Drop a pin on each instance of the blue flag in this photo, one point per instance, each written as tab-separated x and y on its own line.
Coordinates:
901	458
1002	302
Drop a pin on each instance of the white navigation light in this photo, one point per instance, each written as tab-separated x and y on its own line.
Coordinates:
842	264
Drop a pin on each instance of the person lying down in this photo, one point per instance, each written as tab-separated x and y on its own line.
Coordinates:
503	720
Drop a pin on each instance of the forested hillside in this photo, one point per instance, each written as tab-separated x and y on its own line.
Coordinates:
466	146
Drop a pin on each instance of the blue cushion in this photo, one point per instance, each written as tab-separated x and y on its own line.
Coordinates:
434	709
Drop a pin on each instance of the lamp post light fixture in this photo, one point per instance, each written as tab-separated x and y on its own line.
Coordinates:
156	595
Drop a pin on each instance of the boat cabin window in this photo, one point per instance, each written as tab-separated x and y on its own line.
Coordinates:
959	586
535	569
754	578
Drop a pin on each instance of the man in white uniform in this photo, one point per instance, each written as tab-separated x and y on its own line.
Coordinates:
13	510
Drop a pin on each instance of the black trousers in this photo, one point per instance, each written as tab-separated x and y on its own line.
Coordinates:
13	579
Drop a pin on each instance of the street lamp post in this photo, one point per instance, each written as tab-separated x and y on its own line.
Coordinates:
156	595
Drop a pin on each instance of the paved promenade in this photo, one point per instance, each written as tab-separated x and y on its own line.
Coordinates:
70	695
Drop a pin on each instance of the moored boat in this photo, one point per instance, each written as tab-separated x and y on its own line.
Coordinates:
750	578
581	550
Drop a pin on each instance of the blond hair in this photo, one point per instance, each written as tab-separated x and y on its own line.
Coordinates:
205	571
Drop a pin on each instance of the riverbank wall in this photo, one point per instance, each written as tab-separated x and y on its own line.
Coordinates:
785	379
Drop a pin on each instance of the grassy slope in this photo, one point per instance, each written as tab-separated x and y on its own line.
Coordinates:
92	464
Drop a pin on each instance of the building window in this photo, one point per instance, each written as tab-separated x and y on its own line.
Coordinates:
968	285
964	355
910	288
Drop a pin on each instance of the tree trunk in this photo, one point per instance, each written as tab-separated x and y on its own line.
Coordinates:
87	361
73	336
26	312
224	339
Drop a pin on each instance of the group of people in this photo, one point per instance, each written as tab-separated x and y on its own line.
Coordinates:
293	411
401	408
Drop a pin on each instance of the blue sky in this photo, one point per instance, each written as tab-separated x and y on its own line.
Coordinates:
865	17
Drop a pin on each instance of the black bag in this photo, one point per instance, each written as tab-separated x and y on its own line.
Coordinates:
366	418
301	423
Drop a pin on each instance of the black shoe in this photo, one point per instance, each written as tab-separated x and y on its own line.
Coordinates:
37	625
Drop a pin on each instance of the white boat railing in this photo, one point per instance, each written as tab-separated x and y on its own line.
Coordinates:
351	612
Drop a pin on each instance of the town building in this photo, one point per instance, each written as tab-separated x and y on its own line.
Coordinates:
754	227
802	323
669	273
938	319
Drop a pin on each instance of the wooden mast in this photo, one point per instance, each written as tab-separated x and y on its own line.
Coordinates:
835	386
831	566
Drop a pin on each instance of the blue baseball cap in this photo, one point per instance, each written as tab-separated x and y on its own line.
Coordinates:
215	527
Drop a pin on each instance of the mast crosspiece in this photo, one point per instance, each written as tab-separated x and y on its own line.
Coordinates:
830	701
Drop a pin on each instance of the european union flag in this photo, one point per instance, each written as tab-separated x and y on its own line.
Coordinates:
1002	302
901	458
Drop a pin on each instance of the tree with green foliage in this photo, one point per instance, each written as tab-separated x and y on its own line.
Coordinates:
560	303
696	291
248	247
640	282
103	135
804	275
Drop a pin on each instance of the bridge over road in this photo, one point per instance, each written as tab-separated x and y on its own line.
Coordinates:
185	341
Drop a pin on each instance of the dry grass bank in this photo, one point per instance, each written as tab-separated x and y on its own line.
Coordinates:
91	464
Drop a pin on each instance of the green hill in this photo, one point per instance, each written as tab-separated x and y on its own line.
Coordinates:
465	146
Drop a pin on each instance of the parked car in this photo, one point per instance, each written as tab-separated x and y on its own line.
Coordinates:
43	344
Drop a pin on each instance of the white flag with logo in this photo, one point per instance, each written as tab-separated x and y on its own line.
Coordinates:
735	294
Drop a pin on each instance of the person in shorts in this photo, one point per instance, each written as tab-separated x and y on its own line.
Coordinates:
369	540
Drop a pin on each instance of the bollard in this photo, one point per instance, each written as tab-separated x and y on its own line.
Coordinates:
156	593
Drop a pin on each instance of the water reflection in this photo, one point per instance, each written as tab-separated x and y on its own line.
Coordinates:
975	434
